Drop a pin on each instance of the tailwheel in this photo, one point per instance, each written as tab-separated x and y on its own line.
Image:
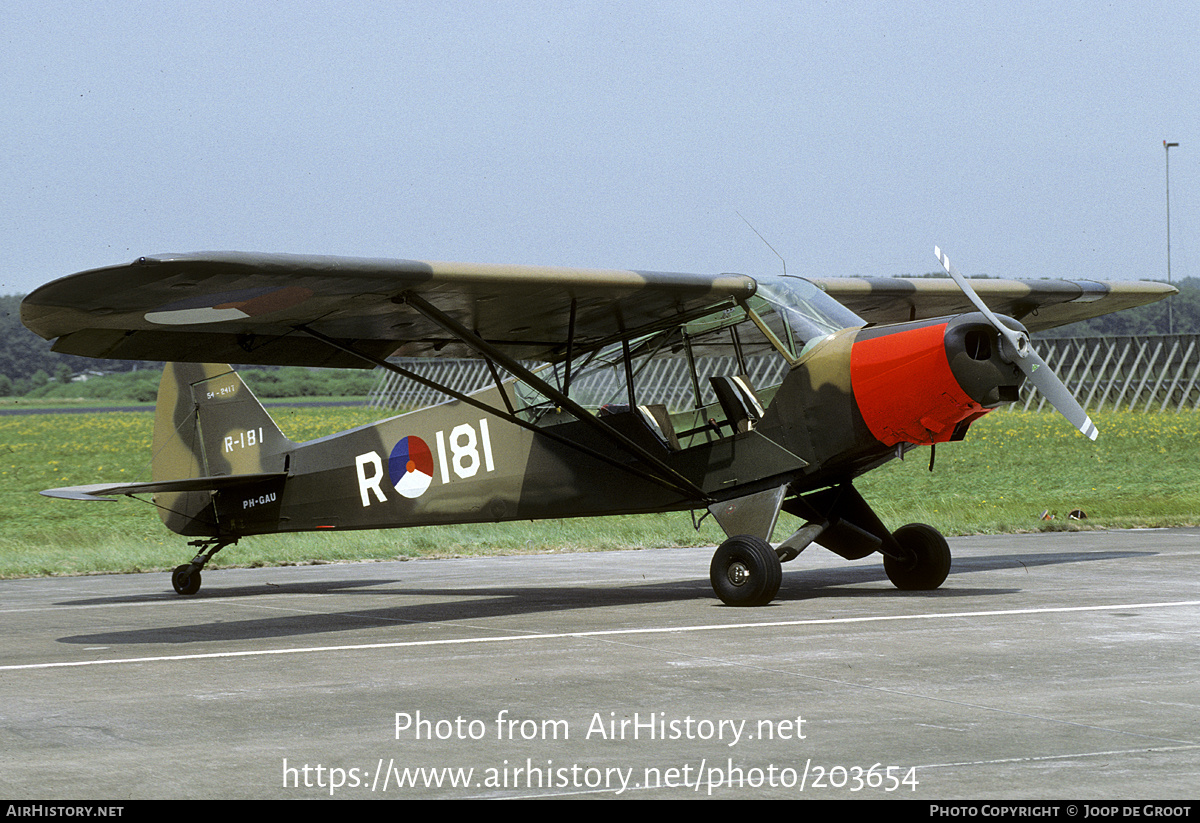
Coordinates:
926	561
745	571
185	579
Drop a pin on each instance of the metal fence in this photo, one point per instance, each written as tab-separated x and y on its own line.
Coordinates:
1144	373
665	380
1160	372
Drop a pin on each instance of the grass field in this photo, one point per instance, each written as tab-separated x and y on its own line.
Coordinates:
1143	471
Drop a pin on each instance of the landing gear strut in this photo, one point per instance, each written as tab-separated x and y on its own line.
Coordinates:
186	578
746	571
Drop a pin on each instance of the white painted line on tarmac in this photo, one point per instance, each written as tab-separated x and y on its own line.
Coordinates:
401	644
1069	756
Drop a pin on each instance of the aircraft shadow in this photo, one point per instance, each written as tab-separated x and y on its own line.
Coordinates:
458	603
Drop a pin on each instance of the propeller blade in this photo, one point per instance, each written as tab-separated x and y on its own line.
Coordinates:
1025	358
1060	397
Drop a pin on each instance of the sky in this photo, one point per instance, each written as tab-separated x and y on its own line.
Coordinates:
1024	138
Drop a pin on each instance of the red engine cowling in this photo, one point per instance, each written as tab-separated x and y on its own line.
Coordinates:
923	382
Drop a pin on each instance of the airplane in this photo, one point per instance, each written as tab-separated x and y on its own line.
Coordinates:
872	369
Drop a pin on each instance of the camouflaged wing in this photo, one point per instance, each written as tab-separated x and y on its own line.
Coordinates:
1038	304
251	308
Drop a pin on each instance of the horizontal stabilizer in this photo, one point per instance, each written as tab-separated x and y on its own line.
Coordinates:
109	491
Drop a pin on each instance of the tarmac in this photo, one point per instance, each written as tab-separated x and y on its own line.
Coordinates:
1048	667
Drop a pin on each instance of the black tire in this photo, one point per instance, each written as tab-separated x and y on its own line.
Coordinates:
745	571
928	561
185	580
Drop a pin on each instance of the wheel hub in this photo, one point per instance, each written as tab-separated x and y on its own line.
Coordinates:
738	574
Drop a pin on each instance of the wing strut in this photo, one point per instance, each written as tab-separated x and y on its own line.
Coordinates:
667	478
674	478
570	349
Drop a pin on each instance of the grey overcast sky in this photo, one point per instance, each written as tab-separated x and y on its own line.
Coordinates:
1025	138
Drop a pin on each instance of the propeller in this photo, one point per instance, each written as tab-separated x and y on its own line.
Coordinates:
1015	349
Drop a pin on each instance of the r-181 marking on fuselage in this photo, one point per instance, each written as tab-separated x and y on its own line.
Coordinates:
470	449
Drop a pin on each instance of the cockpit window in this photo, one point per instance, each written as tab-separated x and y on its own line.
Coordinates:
810	313
759	338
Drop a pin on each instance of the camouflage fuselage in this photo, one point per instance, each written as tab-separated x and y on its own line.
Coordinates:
454	463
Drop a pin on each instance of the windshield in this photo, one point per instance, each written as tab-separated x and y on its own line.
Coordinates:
811	314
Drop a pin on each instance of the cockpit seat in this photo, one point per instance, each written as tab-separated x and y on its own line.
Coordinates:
658	421
738	401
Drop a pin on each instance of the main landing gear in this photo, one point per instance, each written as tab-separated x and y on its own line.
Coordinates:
747	571
925	562
186	578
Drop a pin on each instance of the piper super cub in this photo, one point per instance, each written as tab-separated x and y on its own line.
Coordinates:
895	364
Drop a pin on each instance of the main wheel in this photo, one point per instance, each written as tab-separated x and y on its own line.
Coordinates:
928	558
185	580
745	571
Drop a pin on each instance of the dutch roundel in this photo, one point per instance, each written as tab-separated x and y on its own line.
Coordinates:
410	467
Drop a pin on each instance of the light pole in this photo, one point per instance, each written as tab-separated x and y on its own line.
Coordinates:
1170	314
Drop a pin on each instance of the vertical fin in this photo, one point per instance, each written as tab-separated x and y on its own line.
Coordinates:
208	422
